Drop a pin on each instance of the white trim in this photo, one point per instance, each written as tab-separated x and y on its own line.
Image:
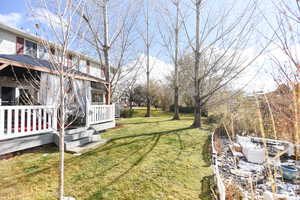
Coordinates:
39	119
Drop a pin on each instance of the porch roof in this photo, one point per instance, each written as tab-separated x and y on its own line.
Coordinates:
28	62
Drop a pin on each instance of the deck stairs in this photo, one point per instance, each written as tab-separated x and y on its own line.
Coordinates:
80	139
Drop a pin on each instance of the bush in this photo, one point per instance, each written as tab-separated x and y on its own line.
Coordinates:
188	109
215	118
127	113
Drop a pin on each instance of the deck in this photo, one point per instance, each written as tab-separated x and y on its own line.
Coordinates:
23	127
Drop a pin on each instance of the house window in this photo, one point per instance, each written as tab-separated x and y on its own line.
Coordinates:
20	45
70	58
43	52
8	96
97	97
87	66
52	50
30	48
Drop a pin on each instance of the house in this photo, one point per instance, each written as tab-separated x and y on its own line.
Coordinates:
29	91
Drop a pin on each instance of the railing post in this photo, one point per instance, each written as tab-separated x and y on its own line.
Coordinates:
113	111
1	122
54	122
87	113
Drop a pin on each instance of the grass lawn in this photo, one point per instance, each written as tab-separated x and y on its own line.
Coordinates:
147	158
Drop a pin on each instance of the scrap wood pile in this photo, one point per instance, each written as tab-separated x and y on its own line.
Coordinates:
248	170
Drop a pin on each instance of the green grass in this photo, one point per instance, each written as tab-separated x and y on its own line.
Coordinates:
147	158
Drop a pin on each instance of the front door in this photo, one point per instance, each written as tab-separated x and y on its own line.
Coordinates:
8	95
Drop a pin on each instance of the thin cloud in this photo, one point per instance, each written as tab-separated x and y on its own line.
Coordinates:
46	17
11	19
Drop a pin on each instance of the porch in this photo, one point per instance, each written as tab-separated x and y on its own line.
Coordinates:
23	127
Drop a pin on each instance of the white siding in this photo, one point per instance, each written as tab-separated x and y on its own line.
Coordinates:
95	72
82	66
7	42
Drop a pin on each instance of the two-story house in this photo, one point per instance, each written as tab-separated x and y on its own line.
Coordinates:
29	90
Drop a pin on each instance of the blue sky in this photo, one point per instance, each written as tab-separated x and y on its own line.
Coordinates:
15	13
12	6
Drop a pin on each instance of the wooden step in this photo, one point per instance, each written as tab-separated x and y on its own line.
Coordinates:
77	143
78	135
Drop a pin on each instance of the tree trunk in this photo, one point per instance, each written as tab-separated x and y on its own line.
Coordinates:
197	112
148	88
130	104
176	95
106	51
197	115
297	113
148	67
61	138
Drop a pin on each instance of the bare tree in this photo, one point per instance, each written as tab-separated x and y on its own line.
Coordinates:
147	42
285	68
57	22
218	46
113	37
170	41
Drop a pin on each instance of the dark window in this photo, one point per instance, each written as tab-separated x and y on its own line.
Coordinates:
88	62
52	50
20	45
97	97
31	48
8	95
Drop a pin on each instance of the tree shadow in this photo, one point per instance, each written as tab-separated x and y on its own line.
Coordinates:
206	152
110	145
152	122
173	131
206	183
98	194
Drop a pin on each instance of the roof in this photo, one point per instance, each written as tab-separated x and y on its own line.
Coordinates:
40	65
39	39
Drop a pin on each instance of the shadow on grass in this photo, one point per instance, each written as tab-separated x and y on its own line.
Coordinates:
110	145
99	194
206	183
206	152
136	123
173	131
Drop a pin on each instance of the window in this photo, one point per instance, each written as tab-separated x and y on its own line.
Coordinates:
97	97
70	58
20	45
43	54
30	48
52	50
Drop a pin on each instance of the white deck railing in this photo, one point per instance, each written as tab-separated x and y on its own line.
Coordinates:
101	113
19	121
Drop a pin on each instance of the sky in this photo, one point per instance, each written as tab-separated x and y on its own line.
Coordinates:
15	13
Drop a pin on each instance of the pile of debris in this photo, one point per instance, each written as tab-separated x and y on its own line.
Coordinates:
258	168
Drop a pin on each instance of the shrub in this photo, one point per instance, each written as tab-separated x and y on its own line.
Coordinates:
127	113
214	118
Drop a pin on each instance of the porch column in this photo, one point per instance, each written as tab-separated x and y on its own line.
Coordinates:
88	104
87	113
